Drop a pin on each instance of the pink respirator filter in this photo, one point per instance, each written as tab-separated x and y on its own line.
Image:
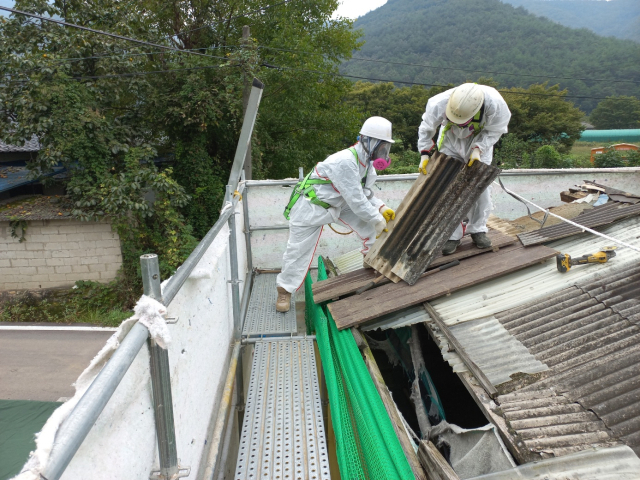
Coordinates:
381	164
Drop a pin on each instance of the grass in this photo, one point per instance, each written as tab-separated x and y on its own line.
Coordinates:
581	151
88	302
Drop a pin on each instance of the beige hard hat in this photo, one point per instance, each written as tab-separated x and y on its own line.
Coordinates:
377	127
465	101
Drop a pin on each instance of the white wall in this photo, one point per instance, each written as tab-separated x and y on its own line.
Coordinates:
122	444
267	200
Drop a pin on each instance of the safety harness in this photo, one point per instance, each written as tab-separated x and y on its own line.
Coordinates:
305	188
474	126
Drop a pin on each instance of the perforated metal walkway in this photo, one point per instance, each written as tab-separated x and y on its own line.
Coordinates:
283	433
262	318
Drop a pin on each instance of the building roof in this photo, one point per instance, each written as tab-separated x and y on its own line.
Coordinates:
30	146
12	176
38	207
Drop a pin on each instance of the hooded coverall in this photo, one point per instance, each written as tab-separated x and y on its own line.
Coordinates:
351	204
458	142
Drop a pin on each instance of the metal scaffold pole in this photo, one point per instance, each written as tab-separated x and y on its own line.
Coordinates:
161	382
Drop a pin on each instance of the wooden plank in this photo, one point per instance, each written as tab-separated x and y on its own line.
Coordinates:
434	463
393	297
390	406
430	214
347	284
462	353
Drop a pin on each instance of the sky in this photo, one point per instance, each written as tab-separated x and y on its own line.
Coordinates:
357	8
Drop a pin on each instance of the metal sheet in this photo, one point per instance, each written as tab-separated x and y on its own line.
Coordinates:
498	353
595	217
613	463
283	433
262	318
540	281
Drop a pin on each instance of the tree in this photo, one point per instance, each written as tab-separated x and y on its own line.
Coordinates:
616	112
542	115
110	110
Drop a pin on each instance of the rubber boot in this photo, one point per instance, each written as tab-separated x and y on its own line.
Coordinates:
481	240
450	247
283	304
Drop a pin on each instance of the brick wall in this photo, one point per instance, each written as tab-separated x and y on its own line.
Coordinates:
57	253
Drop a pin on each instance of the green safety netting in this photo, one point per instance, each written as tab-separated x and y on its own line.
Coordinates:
367	446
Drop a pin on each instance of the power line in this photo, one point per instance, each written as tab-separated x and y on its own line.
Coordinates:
108	34
344	75
361	59
132	74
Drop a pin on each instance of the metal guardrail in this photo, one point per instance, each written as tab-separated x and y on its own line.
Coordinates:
77	425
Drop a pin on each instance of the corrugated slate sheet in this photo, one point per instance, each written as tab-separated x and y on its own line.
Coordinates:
513	357
589	336
597	216
613	463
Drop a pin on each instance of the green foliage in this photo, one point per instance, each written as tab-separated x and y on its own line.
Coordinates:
617	158
18	224
616	112
619	19
548	157
541	118
88	302
491	36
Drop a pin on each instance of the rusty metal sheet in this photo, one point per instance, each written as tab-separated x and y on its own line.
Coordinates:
595	217
427	217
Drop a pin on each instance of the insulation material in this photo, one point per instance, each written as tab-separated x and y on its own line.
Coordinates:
429	214
151	313
472	452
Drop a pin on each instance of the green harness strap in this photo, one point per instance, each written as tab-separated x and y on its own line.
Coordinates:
475	123
305	187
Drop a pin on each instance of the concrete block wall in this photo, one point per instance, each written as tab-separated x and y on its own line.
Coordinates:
57	253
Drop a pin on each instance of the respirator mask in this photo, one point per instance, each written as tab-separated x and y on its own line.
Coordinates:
379	155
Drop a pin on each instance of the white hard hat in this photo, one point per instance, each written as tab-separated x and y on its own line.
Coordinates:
465	101
377	127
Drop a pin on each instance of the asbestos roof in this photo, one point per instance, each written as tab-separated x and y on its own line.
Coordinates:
30	146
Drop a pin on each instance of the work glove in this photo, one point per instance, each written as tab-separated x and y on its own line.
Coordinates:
475	155
425	156
381	226
387	213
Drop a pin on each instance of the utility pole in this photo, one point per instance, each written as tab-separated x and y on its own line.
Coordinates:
246	33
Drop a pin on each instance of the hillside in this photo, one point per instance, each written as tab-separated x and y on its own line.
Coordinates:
617	18
490	36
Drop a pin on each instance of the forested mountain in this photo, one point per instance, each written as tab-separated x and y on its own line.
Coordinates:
462	40
615	18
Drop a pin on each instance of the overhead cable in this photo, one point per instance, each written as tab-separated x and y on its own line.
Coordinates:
418	83
361	59
108	34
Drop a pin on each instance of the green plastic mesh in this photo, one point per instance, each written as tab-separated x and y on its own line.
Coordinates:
367	446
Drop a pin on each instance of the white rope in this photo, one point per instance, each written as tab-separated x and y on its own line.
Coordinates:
582	227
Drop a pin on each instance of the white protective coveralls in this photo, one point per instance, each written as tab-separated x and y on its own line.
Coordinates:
458	143
351	205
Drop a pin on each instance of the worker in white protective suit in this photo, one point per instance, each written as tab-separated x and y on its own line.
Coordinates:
337	190
472	118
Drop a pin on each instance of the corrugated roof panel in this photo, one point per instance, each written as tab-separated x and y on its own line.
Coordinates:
499	354
592	349
601	215
402	318
613	463
349	262
540	282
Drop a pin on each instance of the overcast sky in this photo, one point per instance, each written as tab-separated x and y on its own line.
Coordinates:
357	8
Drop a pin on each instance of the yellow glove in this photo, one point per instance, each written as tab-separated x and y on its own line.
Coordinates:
387	213
475	155
424	160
